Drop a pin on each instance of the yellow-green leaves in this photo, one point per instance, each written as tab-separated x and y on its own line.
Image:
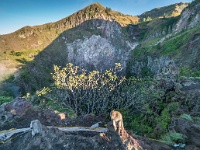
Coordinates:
72	77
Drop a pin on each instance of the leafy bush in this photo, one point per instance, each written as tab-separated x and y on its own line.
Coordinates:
75	89
173	107
164	120
146	72
187	72
4	99
150	123
186	116
172	138
95	92
197	119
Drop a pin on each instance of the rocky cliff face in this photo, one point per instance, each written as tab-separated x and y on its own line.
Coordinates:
163	67
190	17
110	44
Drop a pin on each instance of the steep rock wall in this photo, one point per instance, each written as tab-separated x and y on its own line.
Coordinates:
190	17
99	51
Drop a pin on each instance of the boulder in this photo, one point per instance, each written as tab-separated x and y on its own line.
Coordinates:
36	127
18	107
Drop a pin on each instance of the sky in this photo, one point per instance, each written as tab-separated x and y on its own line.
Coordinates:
15	14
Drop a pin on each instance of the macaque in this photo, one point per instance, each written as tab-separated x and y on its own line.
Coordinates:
117	120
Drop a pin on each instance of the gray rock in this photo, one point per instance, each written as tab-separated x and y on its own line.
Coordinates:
96	125
36	127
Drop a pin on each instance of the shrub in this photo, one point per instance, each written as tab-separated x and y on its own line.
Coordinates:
4	99
186	116
83	92
96	92
197	119
173	138
146	72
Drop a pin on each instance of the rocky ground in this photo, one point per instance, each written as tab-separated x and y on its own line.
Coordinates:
20	113
52	138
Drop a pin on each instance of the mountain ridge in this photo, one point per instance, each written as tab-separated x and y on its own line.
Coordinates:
41	35
165	11
98	10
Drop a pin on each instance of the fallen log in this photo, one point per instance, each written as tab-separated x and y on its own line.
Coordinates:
77	129
7	134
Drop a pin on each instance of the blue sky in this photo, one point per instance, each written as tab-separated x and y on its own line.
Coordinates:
15	14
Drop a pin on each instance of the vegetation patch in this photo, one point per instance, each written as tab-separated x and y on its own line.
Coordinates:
185	71
173	138
187	117
94	92
4	99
